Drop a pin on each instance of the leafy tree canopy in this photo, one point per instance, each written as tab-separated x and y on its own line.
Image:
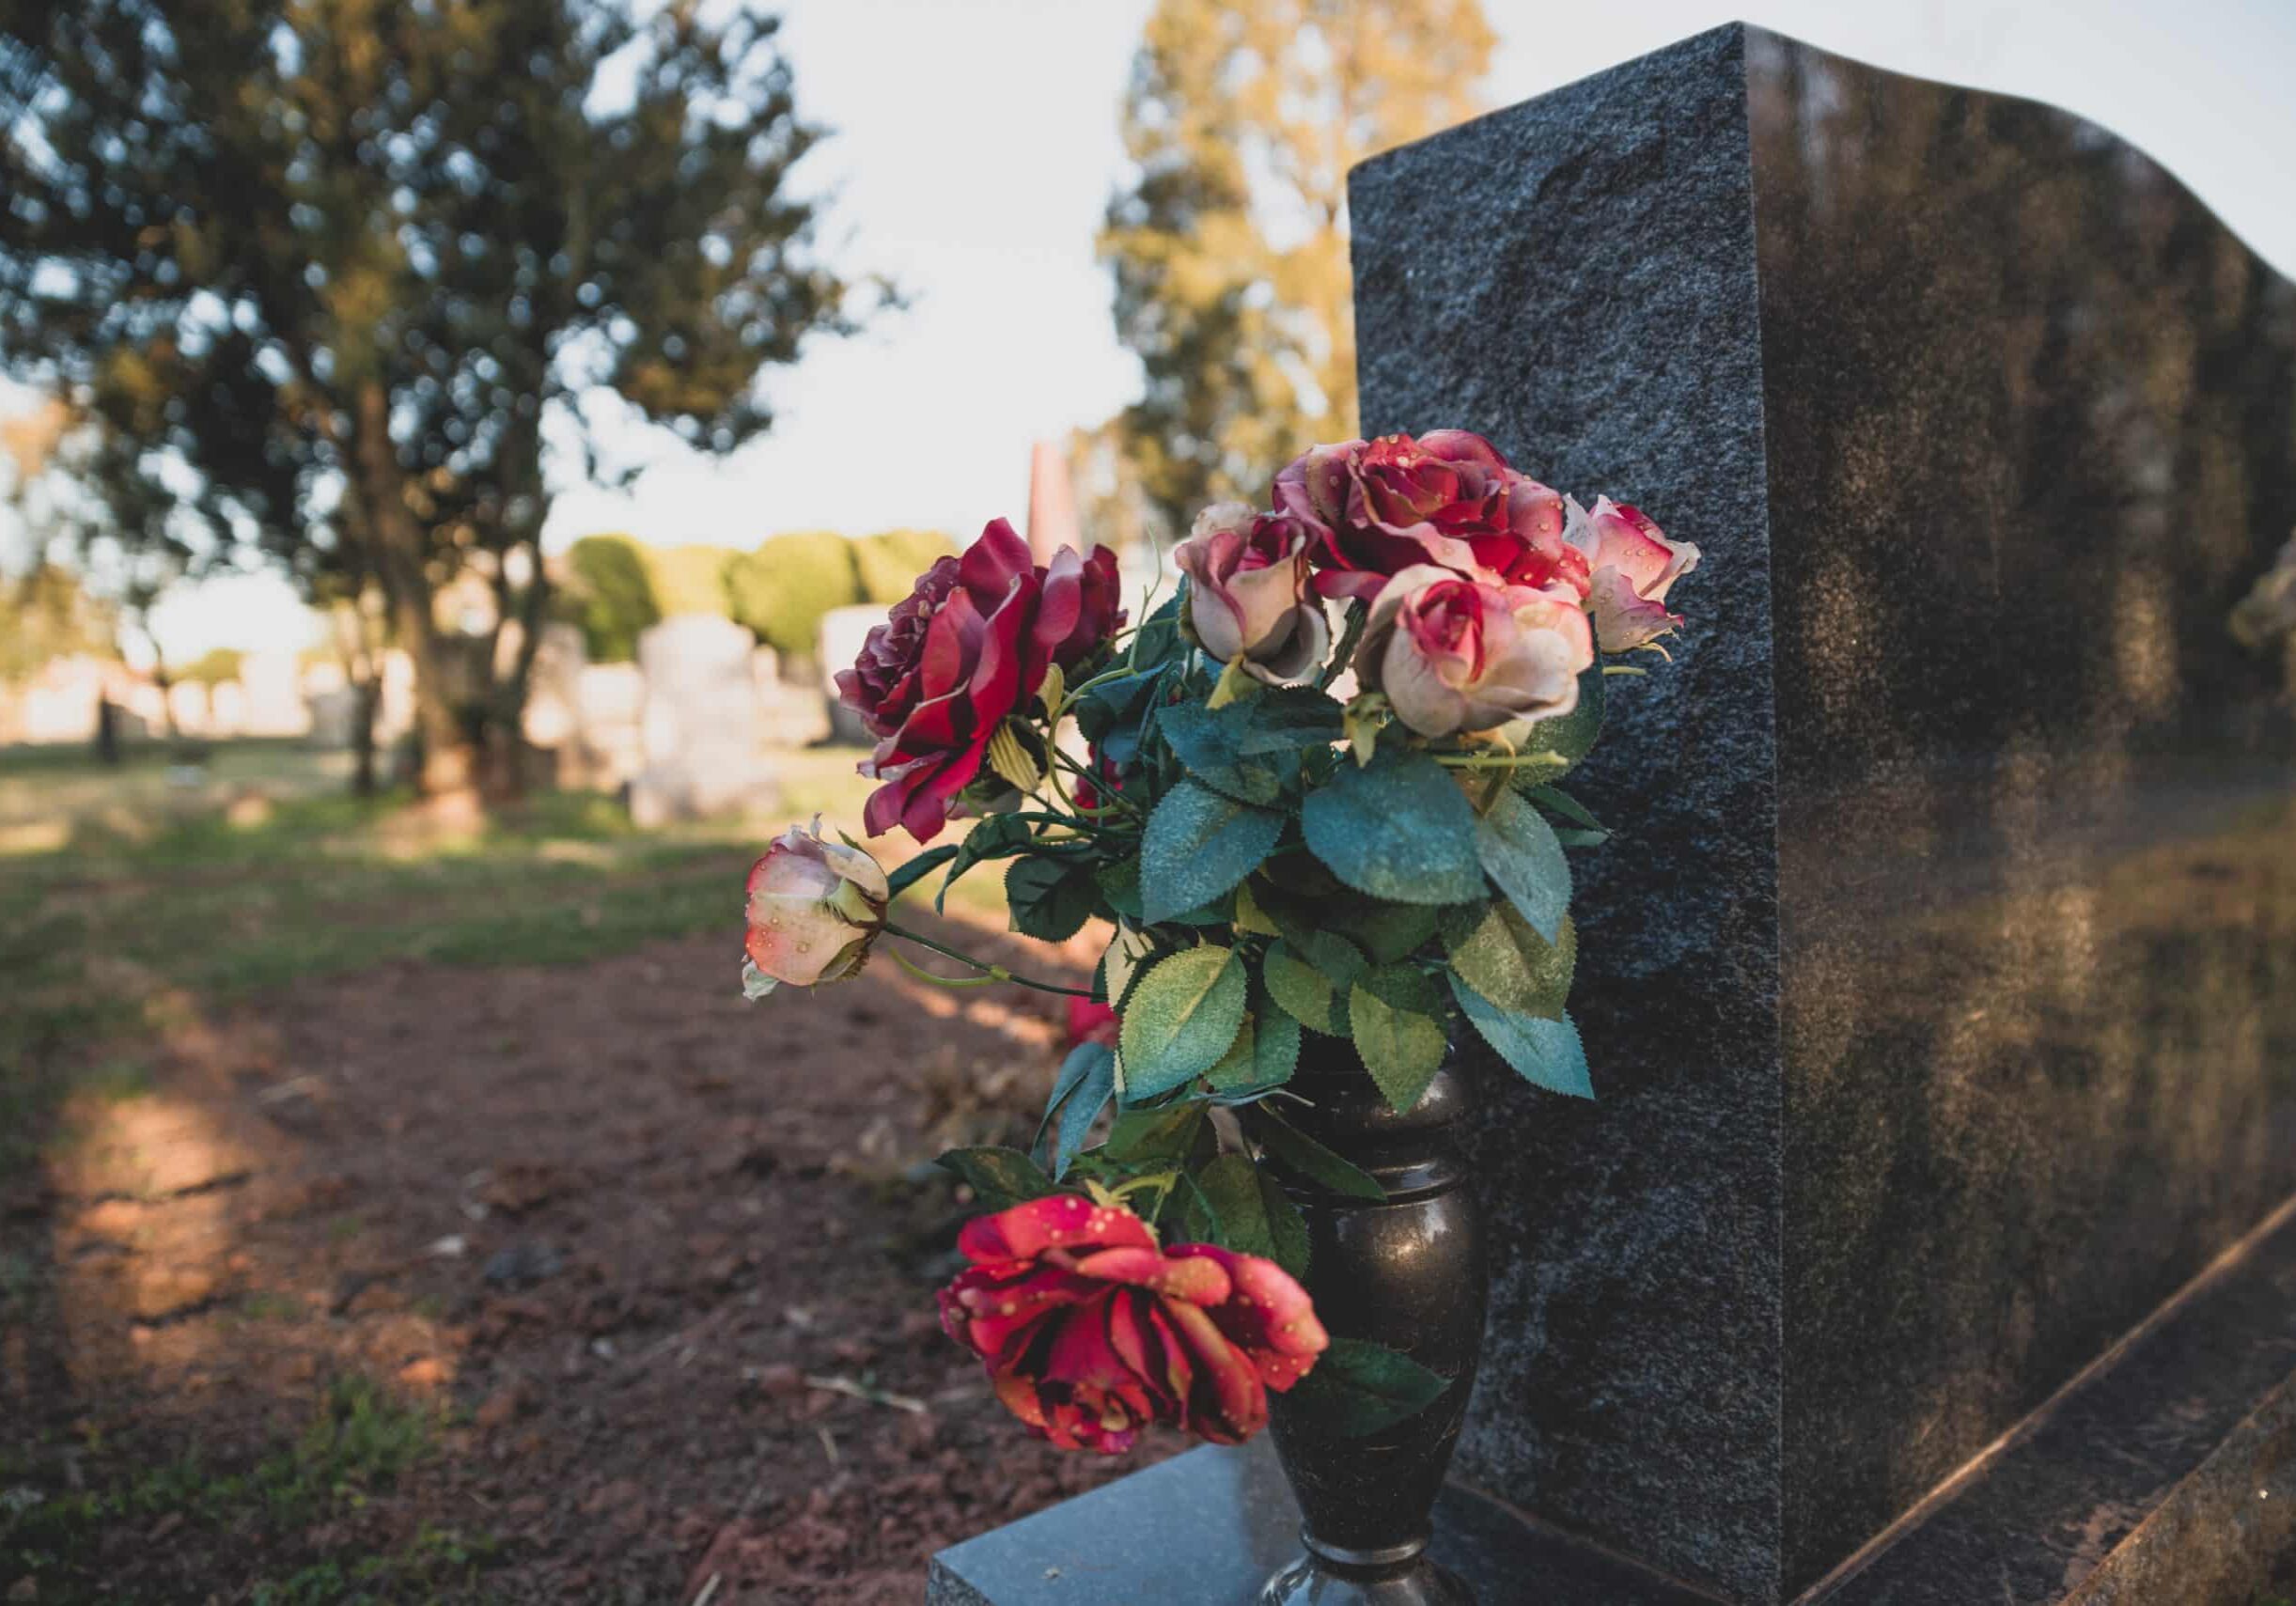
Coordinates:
326	273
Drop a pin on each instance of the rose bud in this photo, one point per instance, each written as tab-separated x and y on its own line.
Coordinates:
1454	655
1090	1331
967	648
1448	498
815	907
1248	593
1632	567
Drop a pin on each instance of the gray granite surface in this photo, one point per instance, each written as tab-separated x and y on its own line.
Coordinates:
1209	1527
1941	981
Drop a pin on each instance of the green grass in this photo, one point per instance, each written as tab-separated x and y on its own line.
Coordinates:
127	894
359	1443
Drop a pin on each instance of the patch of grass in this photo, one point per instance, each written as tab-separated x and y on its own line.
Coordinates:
360	1442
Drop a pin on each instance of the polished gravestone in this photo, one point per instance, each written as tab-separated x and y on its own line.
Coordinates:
1939	980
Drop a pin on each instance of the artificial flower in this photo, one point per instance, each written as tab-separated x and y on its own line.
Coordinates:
813	909
1248	594
1632	566
1457	655
1090	1331
969	647
1446	498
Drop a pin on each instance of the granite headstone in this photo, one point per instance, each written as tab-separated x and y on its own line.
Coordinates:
1941	980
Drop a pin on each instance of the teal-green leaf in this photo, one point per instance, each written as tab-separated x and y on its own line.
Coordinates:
1556	801
1180	1018
1570	738
1051	898
1318	1000
997	836
1387	932
1498	953
1398	830
1359	1387
1518	847
1231	1212
1000	1176
1197	845
1286	719
1210	743
1286	1225
1393	1014
1547	1053
1142	1137
1302	1155
1087	1079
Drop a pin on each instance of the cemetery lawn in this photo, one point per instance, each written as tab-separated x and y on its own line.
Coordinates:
399	1208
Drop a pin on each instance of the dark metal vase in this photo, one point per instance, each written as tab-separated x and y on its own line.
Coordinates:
1410	1275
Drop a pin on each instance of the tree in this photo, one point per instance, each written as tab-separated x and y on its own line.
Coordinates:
46	614
326	272
1229	247
610	595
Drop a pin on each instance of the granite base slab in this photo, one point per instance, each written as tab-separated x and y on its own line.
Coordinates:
1209	1527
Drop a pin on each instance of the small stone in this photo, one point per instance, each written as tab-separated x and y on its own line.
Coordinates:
426	1373
518	1264
501	1408
780	1381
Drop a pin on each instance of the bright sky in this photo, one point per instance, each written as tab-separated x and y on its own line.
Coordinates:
976	146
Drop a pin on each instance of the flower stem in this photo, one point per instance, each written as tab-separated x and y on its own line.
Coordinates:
993	974
1350	633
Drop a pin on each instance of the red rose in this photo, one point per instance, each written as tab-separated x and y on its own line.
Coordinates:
1448	498
1091	1022
1090	1331
967	648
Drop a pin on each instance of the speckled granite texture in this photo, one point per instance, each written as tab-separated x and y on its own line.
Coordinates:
1208	1528
1941	982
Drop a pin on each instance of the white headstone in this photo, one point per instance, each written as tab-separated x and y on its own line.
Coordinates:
702	723
273	683
843	630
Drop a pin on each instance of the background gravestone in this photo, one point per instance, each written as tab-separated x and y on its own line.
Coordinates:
701	724
1941	981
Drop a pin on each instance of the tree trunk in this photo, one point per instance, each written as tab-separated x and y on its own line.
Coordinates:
365	692
107	729
398	552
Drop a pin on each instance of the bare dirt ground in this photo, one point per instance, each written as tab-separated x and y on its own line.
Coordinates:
579	1283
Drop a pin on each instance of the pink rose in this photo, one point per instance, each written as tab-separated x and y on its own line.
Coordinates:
1448	498
1090	1331
968	647
1633	566
814	908
1248	592
1456	655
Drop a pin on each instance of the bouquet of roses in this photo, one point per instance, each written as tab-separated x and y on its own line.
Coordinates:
1276	862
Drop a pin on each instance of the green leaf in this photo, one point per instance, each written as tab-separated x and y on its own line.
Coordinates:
1359	1387
1250	916
1570	738
1287	1227
997	836
1387	932
1547	1053
1398	830
1285	719
1086	1080
1119	882
1231	1187
1142	1136
1518	848
1180	1018
1495	951
1305	1157
1051	898
1316	999
1394	1016
1235	1068
1000	1176
1558	802
899	881
1210	743
1199	845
